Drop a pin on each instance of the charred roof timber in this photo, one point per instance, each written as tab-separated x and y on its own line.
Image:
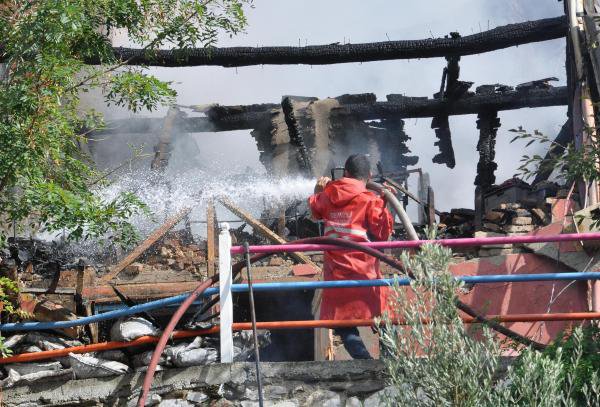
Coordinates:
496	98
491	40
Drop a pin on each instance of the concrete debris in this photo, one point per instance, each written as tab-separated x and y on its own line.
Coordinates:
353	402
85	366
28	368
243	344
13	377
128	329
175	403
196	397
324	398
388	394
189	354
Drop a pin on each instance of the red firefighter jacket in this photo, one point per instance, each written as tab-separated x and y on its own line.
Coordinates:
351	212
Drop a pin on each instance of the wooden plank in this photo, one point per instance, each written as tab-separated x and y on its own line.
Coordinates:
163	289
145	245
263	230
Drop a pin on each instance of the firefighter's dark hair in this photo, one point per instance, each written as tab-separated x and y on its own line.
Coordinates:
358	166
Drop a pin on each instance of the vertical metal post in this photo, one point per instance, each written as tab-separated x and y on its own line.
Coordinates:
253	317
226	301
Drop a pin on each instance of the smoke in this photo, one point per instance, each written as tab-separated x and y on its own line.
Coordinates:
315	22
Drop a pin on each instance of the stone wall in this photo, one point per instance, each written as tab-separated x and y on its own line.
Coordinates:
286	384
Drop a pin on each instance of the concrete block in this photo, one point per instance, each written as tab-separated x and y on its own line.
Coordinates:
493	216
275	392
175	403
492	226
506	206
521	220
518	228
353	402
324	398
284	403
376	399
196	397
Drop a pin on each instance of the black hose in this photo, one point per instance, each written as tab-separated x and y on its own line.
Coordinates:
253	318
459	304
509	333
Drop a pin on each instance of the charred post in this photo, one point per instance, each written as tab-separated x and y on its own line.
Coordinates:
295	133
488	124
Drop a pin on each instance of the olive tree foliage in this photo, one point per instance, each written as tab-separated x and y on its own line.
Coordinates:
434	359
43	173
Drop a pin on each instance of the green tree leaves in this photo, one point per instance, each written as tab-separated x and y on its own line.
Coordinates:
43	172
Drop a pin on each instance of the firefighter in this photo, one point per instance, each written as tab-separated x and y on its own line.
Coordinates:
351	212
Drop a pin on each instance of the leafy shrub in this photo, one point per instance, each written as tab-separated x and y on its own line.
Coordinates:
433	360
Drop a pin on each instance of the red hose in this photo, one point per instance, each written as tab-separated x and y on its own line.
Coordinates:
162	342
164	338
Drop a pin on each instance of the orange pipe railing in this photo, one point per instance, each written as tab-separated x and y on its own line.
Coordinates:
244	326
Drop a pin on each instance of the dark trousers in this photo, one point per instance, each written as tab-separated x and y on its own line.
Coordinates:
353	343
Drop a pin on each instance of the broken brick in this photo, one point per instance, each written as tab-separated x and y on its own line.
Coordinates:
521	220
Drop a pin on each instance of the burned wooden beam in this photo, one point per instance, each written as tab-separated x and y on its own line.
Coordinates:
404	107
397	107
486	41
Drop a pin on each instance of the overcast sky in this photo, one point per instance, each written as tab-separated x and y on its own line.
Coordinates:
275	22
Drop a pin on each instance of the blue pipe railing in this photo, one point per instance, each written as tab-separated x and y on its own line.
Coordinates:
298	285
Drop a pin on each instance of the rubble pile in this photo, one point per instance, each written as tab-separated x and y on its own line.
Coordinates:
196	352
36	260
174	252
514	219
456	223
